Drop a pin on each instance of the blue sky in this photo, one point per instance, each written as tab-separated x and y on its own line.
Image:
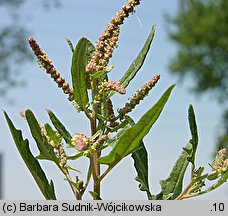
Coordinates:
78	19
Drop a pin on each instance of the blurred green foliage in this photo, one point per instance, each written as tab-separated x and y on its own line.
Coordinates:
200	30
14	52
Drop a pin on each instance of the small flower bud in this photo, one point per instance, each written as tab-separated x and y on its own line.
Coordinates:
22	113
66	86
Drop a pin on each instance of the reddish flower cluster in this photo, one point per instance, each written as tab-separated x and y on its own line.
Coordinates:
106	87
109	38
115	86
80	141
138	96
43	60
220	163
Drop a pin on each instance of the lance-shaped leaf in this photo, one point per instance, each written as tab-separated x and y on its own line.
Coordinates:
172	186
81	56
46	150
138	62
60	127
194	133
131	138
140	158
124	124
31	162
114	140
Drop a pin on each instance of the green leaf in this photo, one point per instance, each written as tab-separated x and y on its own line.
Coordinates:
213	176
131	138
127	123
52	134
223	179
138	62
73	169
81	56
98	74
74	156
70	45
60	127
140	158
124	124
194	133
95	195
31	162
172	186
46	150
101	73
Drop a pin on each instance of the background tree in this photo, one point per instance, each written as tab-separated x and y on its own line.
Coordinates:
14	50
200	30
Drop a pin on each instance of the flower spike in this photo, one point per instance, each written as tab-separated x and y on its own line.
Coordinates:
109	39
47	65
138	96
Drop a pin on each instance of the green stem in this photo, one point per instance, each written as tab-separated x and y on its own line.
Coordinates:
185	194
68	177
106	172
87	180
97	174
76	193
186	190
95	166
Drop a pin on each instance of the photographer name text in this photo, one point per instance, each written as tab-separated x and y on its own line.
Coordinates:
80	207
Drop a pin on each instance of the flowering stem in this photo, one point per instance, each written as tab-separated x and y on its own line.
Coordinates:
94	164
185	194
75	191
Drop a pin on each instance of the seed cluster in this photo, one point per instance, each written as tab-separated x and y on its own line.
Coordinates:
138	96
99	143
63	159
110	112
109	39
47	65
220	163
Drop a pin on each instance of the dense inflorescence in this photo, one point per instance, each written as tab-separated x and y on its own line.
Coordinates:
138	96
109	39
47	65
220	163
80	141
